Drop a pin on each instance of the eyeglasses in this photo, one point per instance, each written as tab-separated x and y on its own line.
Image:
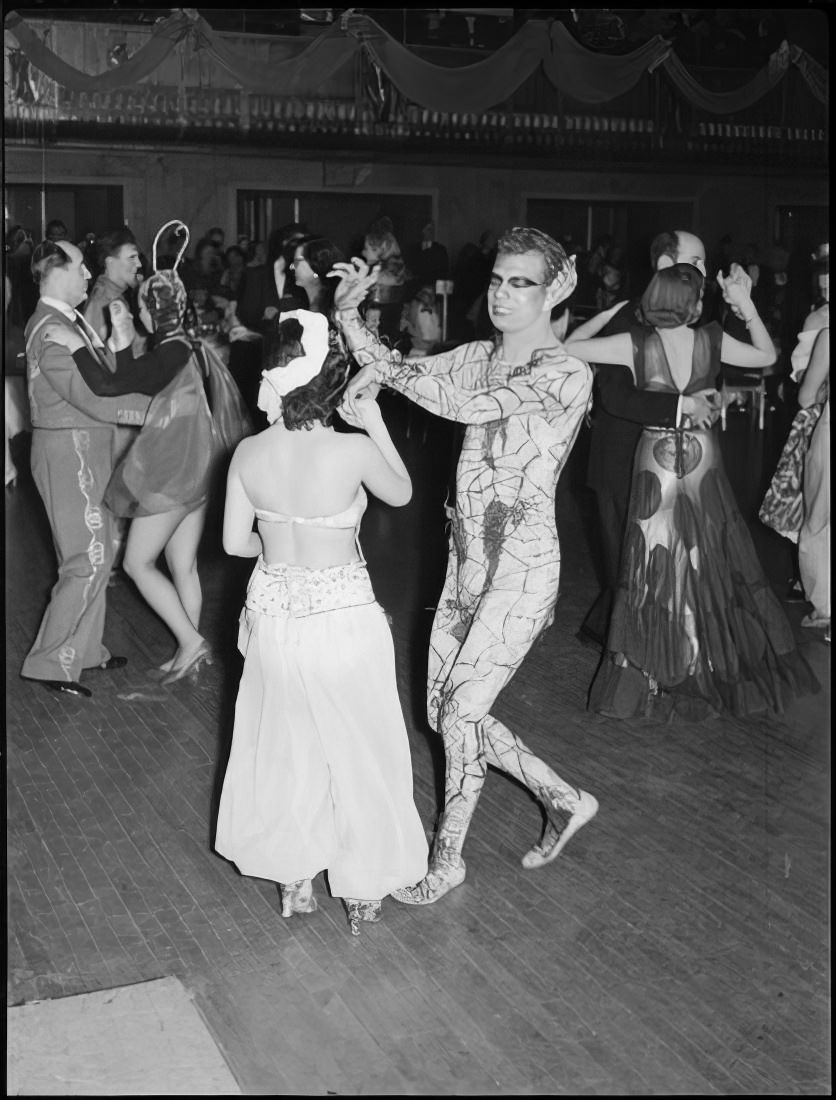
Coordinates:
516	282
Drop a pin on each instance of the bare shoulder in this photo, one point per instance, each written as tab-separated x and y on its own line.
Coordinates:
819	318
250	447
350	444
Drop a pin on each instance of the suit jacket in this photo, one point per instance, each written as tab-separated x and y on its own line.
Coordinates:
426	265
260	292
58	395
95	312
620	412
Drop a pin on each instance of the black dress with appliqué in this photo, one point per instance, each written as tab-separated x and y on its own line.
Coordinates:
696	630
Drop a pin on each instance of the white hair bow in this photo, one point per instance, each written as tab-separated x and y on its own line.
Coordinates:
280	381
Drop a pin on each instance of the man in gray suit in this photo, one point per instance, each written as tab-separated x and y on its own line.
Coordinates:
72	460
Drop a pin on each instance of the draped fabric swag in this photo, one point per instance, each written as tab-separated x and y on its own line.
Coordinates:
304	74
593	77
164	38
464	88
725	103
577	72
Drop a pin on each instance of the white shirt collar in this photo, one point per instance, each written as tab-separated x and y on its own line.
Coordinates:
76	316
62	307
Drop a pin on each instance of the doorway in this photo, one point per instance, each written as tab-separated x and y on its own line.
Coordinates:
342	217
630	226
83	208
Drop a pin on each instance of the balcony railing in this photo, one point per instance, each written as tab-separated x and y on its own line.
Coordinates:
190	98
159	114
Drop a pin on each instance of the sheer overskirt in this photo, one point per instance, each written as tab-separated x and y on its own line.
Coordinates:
169	463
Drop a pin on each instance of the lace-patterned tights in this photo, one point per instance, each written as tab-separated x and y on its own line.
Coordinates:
473	654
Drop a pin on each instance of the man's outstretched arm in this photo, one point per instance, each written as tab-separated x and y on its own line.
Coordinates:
459	384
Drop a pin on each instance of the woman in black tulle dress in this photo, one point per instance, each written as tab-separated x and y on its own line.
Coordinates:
696	630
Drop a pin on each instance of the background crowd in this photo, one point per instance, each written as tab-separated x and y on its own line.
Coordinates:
424	299
220	269
126	363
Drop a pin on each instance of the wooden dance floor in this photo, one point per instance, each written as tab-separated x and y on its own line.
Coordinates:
679	945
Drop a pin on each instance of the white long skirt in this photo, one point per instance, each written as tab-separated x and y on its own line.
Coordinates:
319	775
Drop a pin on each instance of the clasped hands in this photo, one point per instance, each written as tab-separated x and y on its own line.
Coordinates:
701	409
123	332
359	406
356	279
737	290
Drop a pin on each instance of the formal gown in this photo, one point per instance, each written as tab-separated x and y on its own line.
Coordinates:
319	774
696	629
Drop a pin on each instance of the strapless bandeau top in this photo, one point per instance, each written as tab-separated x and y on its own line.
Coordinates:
349	518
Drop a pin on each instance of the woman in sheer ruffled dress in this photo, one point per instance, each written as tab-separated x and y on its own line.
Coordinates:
319	774
696	629
162	482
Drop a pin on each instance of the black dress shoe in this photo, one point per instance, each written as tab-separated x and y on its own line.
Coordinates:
109	664
64	687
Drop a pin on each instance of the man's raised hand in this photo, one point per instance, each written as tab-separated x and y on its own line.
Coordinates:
356	280
737	289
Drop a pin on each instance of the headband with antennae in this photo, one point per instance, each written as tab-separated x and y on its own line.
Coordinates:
182	227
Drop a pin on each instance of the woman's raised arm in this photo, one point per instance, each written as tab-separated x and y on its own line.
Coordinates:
602	349
381	468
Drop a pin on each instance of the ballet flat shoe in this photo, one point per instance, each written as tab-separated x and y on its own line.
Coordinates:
545	852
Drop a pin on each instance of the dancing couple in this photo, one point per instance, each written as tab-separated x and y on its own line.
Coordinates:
319	775
79	389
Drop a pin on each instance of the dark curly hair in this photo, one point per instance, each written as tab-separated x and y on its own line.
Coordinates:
321	255
318	399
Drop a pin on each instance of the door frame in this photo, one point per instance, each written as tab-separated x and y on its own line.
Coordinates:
259	185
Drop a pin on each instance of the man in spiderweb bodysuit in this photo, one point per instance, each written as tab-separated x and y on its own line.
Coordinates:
522	400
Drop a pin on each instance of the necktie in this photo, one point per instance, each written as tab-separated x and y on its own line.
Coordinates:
90	338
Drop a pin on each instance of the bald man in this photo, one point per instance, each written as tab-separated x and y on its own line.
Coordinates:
620	412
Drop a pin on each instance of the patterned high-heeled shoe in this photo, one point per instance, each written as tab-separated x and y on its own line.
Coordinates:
161	671
297	897
191	669
359	911
556	835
